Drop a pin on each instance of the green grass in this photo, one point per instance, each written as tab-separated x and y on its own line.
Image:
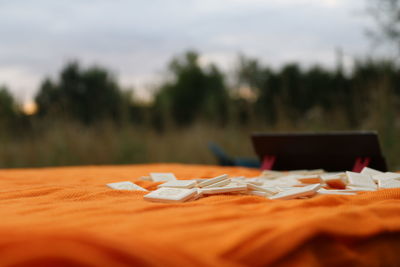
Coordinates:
62	143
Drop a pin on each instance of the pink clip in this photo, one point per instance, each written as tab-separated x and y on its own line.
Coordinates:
360	164
268	162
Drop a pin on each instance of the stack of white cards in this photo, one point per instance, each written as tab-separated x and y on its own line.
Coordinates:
269	184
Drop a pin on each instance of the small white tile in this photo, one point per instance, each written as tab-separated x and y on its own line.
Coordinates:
213	180
389	183
370	171
162	176
167	194
219	184
284	181
179	184
268	190
334	176
255	181
224	189
126	186
360	180
268	174
300	172
238	179
306	191
386	176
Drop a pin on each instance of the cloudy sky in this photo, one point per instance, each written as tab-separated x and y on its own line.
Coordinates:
135	39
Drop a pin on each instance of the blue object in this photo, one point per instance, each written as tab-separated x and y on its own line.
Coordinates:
225	160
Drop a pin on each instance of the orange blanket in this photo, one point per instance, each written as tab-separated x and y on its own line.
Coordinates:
67	216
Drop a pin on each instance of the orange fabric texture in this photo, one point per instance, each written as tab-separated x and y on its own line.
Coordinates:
67	216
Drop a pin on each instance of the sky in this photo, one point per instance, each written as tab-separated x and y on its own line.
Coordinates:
136	39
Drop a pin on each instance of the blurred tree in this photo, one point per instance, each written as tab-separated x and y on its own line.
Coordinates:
8	108
290	89
215	106
47	99
263	83
294	92
86	95
187	91
193	93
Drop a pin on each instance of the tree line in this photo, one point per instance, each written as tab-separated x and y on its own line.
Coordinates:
192	93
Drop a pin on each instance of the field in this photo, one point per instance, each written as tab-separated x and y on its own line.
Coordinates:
62	143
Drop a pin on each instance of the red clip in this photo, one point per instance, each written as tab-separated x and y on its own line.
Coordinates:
268	162
360	164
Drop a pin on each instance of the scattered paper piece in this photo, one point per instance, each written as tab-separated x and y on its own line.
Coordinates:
126	186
